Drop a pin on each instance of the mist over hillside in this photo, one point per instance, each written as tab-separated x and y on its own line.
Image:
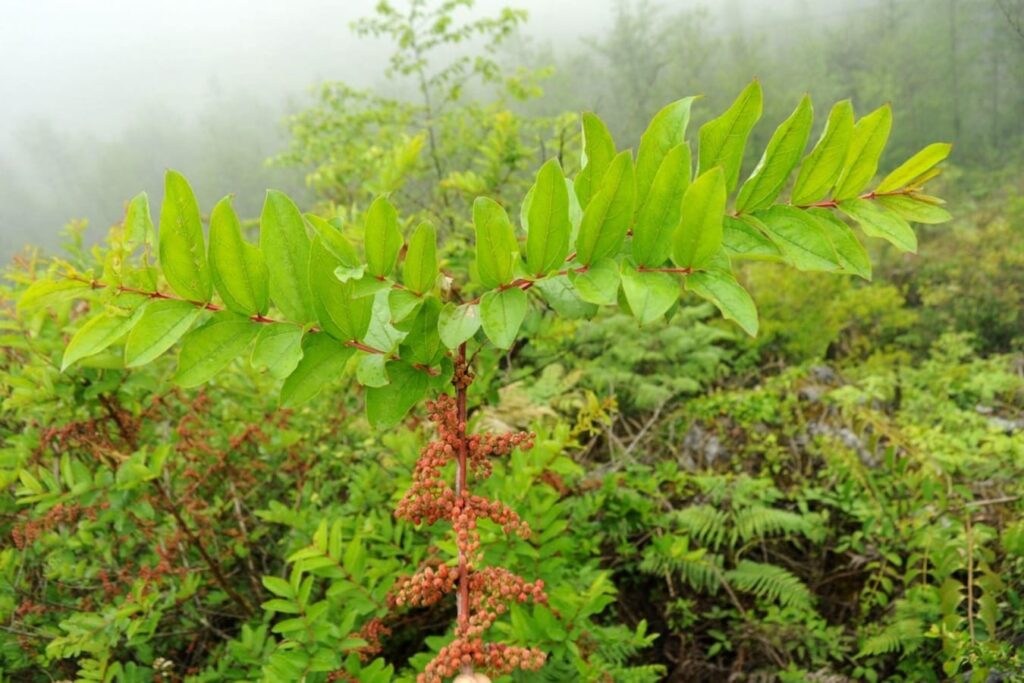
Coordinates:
101	98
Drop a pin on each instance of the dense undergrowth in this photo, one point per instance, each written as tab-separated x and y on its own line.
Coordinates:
836	500
832	505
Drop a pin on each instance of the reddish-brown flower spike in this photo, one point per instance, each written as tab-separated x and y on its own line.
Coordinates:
424	588
484	594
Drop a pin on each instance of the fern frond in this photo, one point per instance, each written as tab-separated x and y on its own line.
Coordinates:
759	521
618	643
903	635
705	523
770	582
697	567
616	646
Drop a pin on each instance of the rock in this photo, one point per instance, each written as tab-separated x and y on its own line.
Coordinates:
1005	425
824	374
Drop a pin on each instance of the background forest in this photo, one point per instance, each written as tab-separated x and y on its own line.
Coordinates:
838	499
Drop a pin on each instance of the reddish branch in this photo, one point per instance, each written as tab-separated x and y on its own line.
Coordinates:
257	318
129	433
832	203
482	593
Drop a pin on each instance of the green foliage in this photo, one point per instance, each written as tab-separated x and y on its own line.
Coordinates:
815	530
314	276
821	168
108	579
458	136
775	527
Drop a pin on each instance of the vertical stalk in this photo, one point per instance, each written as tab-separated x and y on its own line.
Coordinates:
970	577
461	381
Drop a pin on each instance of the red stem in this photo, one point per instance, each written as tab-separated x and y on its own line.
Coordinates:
676	271
256	318
461	489
832	203
524	283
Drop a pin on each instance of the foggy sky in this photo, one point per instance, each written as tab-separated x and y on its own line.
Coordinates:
91	65
83	75
83	80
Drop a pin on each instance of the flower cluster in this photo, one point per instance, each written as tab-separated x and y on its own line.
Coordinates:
28	532
462	654
490	589
483	594
431	499
372	632
424	588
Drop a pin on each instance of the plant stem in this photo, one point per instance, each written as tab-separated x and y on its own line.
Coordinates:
970	579
205	305
461	380
218	573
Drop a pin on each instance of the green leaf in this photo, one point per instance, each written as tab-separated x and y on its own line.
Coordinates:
351	273
383	239
423	345
239	272
501	313
336	243
723	139
403	304
659	215
915	167
746	238
666	131
877	221
387	405
364	286
721	288
457	324
419	271
182	248
285	246
98	333
916	210
46	292
208	349
866	145
278	586
780	158
278	605
699	234
559	293
853	257
548	226
649	295
138	223
608	216
575	212
599	284
278	349
381	334
341	313
323	360
371	370
598	152
800	237
163	322
497	250
821	168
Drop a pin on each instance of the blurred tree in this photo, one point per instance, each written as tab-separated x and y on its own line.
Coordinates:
458	137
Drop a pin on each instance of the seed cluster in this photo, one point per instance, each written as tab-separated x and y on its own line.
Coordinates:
424	588
488	591
372	632
465	653
431	499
